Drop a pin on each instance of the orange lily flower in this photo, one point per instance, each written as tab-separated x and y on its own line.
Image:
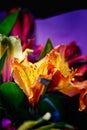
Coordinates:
52	67
27	75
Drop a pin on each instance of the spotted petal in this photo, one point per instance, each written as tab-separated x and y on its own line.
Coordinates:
27	75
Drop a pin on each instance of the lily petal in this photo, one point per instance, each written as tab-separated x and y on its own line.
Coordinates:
26	27
82	101
14	50
66	85
26	76
16	31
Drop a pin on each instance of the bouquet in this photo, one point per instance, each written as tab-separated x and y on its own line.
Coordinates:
41	86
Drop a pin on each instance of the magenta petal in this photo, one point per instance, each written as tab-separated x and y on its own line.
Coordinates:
82	69
28	44
72	50
78	60
38	49
6	73
26	26
6	124
33	57
16	31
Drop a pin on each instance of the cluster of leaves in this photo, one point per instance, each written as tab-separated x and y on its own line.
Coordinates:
15	106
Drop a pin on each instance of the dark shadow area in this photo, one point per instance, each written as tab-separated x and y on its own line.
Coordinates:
44	8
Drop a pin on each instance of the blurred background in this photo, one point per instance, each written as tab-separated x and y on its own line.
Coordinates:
63	21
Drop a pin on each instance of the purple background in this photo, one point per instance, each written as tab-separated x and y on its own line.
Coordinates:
64	28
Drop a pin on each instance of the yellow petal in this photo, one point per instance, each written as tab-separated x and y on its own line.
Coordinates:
15	48
27	75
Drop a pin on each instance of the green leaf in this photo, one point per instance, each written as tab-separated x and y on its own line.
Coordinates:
44	125
48	47
56	126
1	79
27	125
63	125
14	101
2	111
2	60
47	127
8	22
11	92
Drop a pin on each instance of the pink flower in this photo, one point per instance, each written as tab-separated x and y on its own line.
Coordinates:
24	28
